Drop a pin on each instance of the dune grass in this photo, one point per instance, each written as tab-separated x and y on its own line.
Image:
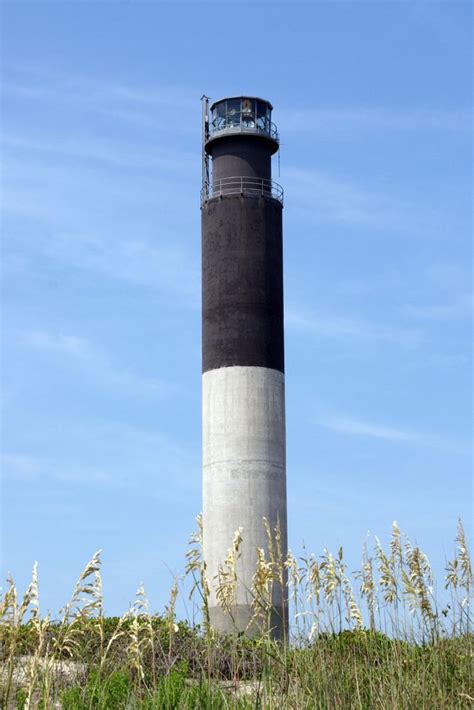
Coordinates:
375	638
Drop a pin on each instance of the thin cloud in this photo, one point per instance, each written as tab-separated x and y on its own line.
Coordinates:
448	276
136	261
48	83
147	105
23	467
337	327
76	231
110	454
356	427
323	198
459	309
96	363
361	428
19	466
350	120
147	157
57	342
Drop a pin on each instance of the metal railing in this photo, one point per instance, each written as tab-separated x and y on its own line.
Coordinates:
225	127
244	185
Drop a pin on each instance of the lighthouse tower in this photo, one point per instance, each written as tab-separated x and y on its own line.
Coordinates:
243	384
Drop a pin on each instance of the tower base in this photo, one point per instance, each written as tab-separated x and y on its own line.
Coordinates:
244	484
239	619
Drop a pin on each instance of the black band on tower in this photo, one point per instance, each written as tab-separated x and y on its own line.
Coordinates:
242	280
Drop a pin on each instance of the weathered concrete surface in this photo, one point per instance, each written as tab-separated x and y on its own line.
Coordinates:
244	475
240	618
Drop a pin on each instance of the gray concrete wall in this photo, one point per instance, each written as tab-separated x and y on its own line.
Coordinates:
244	476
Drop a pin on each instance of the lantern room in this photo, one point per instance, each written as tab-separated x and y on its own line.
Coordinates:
242	115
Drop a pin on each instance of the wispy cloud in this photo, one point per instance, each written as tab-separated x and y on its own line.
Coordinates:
103	454
320	197
101	222
97	364
19	466
23	467
147	156
361	428
66	344
449	276
349	121
459	308
148	105
351	426
339	327
137	261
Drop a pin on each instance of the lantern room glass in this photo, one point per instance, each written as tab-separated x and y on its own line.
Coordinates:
242	114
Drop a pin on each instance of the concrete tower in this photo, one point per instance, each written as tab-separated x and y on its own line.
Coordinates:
244	467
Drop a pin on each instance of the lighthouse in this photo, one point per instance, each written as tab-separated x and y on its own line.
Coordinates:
243	381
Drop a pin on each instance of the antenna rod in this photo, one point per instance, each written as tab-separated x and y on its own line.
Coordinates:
205	136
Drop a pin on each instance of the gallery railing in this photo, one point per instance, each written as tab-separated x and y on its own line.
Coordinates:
243	124
243	185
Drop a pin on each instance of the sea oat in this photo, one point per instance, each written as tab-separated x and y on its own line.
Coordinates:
396	546
197	568
227	574
353	613
261	591
387	580
368	589
314	579
418	583
464	559
330	576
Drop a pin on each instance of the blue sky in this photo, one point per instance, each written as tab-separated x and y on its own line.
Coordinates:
101	274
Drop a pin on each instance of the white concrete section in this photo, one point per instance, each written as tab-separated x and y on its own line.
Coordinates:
244	466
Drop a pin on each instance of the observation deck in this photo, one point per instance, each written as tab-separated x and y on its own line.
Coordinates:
241	115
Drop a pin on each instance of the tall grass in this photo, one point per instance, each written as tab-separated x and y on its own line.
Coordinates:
377	637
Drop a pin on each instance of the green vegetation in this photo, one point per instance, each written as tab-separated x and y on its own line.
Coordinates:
377	639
